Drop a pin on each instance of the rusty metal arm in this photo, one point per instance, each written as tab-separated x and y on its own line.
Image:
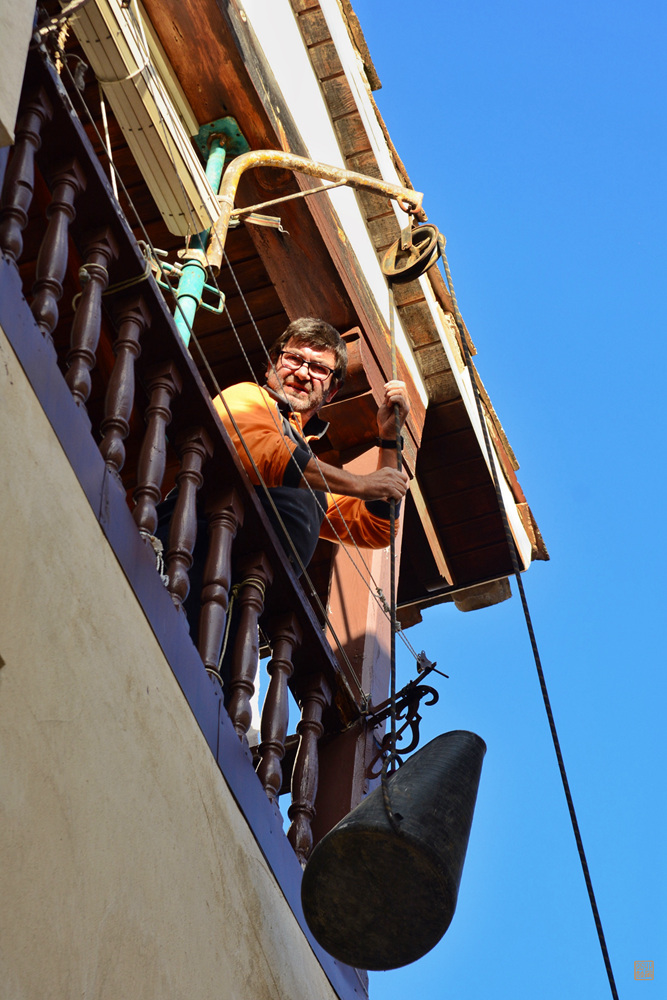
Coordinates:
409	200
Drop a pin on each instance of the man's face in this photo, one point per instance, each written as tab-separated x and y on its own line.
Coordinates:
305	393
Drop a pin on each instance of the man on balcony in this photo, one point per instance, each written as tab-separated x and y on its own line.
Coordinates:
271	426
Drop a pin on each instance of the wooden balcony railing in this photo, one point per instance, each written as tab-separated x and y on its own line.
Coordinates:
128	371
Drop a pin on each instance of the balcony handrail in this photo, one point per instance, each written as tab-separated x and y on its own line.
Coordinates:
64	138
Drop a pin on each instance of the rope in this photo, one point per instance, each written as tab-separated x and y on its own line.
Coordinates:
533	641
392	760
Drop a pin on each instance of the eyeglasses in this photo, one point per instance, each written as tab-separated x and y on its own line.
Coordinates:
316	370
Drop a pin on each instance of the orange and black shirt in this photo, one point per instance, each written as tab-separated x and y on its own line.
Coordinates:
268	430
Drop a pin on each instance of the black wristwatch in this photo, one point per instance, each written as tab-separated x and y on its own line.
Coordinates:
389	444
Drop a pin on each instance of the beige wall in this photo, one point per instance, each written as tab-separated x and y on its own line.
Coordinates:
126	871
16	18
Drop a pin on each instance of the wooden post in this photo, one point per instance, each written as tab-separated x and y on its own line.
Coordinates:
164	383
20	177
195	447
255	575
132	318
102	248
225	516
68	182
305	778
285	634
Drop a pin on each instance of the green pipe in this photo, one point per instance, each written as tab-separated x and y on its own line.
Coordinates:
193	277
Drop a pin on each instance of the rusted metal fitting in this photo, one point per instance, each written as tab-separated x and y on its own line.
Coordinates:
409	200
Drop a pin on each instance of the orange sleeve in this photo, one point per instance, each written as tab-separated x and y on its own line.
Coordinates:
259	422
350	519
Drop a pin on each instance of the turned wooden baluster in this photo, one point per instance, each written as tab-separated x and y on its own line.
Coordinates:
225	515
132	318
163	384
255	575
88	317
285	634
194	447
68	182
316	696
20	177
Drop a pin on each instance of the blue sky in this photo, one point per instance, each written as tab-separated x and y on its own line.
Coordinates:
537	132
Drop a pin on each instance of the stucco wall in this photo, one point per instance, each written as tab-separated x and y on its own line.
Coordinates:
16	17
126	868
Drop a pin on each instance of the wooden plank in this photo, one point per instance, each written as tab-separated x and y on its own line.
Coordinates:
364	163
430	531
384	231
419	325
338	96
484	563
302	255
313	26
468	536
352	135
447	417
373	205
457	508
441	452
302	5
326	63
460	476
408	294
432	360
442	388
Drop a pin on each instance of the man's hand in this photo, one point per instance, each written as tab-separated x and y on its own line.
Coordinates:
385	484
394	392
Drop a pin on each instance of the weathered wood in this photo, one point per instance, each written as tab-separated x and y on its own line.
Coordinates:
384	231
85	335
430	531
194	447
432	360
340	99
314	27
374	205
364	163
68	182
256	574
419	323
325	60
132	318
284	634
225	516
20	176
352	135
163	383
305	777
302	5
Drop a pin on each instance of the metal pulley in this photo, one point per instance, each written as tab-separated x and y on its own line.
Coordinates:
412	254
378	894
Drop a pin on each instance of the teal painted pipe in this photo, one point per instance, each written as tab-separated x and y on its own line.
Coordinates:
193	276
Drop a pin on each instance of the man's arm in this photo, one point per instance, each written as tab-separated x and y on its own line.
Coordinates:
386	482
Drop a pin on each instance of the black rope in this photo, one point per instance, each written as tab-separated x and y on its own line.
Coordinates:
392	760
538	663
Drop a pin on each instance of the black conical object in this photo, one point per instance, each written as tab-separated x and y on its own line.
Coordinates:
379	899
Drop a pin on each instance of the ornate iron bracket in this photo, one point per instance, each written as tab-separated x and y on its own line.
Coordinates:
407	708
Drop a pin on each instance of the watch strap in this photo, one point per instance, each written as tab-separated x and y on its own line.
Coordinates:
389	443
